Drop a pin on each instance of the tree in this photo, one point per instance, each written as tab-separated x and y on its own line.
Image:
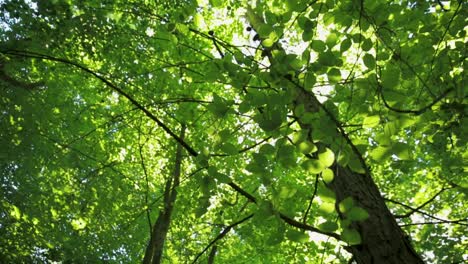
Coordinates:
233	131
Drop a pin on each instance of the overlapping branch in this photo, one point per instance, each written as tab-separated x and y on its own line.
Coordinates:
185	145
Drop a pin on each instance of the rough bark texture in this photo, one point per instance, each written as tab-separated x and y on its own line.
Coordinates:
383	241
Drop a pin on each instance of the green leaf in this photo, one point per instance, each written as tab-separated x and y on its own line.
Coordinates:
357	214
275	238
15	212
267	149
270	119
327	208
307	147
402	151
286	155
351	236
78	223
307	118
318	45
216	3
222	178
390	77
199	21
355	164
313	166
345	45
346	204
264	30
369	61
310	80
215	174
219	107
331	40
229	149
343	158
299	136
267	43
265	210
381	154
334	75
326	194
299	110
307	35
371	121
327	157
328	226
327	58
366	45
328	175
297	236
244	107
202	206
286	192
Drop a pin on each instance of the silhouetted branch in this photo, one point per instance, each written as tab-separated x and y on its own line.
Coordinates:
304	219
413	210
415	112
221	235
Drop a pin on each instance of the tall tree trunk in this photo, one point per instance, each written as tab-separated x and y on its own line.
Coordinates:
154	249
382	240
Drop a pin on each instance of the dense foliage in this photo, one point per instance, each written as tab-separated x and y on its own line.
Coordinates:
223	125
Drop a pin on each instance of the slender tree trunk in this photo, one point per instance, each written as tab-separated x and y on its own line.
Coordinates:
154	249
212	255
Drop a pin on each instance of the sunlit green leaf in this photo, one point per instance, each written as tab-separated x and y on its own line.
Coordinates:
307	147
327	207
327	175
327	157
191	118
371	121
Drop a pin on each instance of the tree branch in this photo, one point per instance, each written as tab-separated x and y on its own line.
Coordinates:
114	87
190	150
417	209
459	221
304	219
221	235
415	112
303	226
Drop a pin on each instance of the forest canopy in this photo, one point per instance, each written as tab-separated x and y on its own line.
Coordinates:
242	131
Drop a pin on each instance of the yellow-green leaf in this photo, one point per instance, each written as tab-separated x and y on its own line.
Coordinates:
327	157
327	175
351	236
371	121
313	166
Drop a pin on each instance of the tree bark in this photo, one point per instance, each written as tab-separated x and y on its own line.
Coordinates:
383	241
154	249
